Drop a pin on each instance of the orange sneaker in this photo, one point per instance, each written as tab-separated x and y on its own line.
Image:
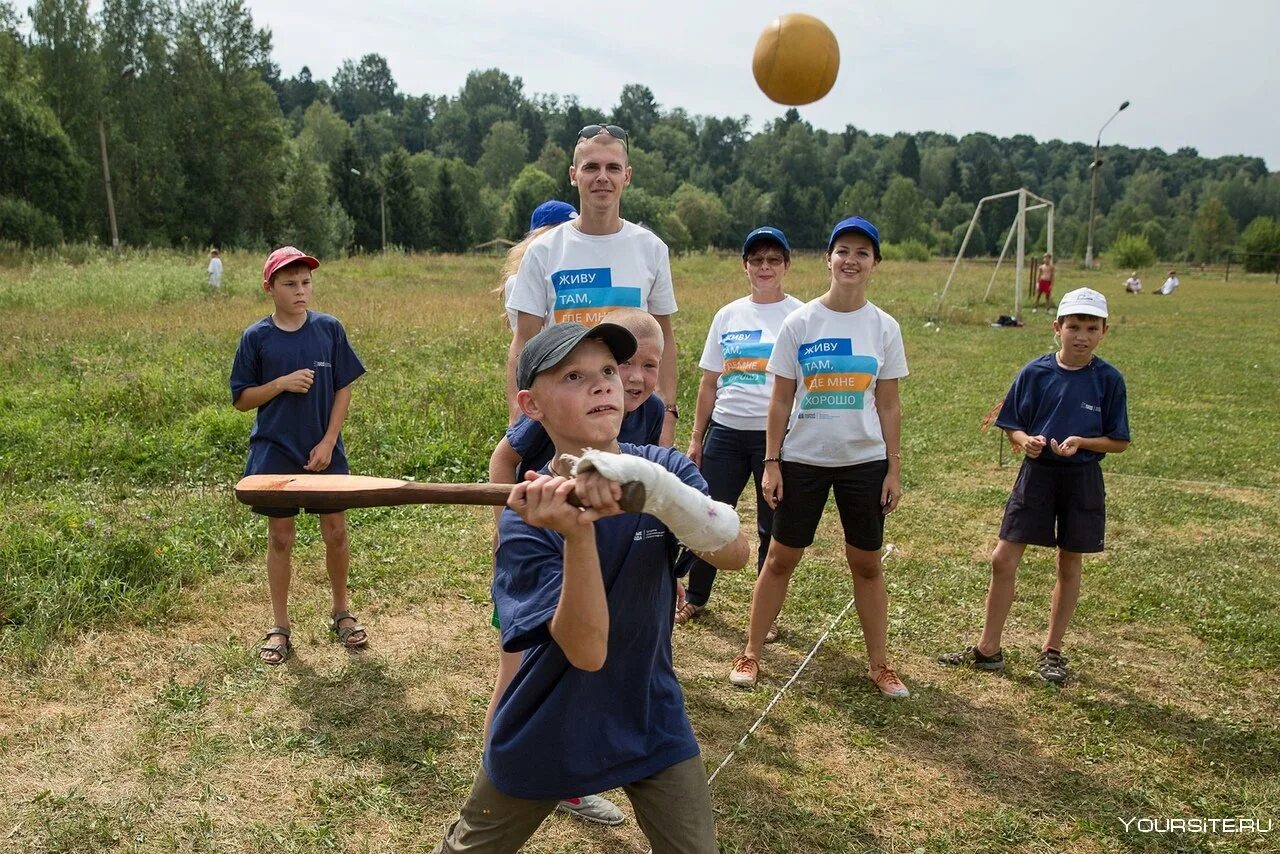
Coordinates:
745	672
886	679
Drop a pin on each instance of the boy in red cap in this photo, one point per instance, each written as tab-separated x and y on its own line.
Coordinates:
296	367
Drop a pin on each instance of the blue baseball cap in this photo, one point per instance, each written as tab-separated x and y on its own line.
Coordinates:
553	212
858	225
765	232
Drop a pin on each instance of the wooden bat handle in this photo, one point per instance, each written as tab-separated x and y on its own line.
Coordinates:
332	492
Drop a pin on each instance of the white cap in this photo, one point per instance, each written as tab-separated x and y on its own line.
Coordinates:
1083	301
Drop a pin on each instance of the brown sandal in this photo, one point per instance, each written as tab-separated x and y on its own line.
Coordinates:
688	611
281	651
345	633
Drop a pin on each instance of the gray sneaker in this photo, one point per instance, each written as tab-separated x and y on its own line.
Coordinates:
971	656
592	808
1052	666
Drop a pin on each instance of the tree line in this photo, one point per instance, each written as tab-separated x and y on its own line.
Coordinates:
210	145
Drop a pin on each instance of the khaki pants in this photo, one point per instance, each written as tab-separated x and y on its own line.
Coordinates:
673	808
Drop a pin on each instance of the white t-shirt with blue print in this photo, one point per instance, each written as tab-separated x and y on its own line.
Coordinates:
739	344
836	358
566	275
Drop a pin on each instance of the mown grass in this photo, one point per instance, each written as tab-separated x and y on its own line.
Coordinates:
134	715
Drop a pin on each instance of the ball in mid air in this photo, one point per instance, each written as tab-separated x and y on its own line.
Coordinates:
796	59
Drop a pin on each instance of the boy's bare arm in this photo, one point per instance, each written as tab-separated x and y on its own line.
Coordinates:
667	379
702	410
1098	444
503	463
1032	446
322	454
580	624
254	396
732	556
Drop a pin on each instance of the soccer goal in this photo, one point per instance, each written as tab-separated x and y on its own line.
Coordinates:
1027	202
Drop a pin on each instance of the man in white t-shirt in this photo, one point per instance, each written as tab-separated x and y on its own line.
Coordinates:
596	263
1170	284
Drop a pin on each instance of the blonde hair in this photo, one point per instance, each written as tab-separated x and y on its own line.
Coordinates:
638	322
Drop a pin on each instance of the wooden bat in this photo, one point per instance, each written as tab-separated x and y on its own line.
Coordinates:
345	491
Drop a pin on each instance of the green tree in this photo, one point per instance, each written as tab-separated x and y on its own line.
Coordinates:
746	206
644	208
40	164
553	160
702	213
505	149
1213	231
406	207
308	216
531	188
858	199
365	88
1131	251
450	227
1262	236
637	111
324	133
649	170
937	170
354	187
900	214
231	169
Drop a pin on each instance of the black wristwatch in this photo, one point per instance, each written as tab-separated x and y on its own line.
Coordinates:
675	412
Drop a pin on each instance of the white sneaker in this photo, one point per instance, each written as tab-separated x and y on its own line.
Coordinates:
592	808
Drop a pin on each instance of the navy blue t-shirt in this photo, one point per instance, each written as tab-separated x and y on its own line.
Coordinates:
1048	400
290	424
529	439
559	731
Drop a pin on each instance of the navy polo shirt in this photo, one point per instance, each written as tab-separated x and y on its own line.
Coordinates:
290	424
1048	400
559	731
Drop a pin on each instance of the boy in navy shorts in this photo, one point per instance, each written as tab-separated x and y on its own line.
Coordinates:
1066	410
296	368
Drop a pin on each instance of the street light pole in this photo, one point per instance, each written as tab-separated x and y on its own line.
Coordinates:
125	74
1095	167
106	180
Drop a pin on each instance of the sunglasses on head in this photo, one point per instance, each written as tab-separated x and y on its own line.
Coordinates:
591	131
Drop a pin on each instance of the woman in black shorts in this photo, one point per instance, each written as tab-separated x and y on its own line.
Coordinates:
836	367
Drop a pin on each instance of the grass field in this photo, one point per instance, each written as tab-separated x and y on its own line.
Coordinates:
134	714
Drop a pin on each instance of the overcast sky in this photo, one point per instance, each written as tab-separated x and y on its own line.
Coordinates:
1199	74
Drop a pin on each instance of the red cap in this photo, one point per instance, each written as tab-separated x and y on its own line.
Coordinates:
283	257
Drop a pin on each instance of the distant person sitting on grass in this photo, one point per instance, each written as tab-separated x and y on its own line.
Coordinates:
296	368
1067	410
215	269
1133	285
1044	284
1170	284
587	597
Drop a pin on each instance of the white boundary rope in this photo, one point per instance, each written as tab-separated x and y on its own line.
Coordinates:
888	550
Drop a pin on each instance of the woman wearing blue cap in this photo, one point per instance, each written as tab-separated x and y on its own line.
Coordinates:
836	367
545	217
728	438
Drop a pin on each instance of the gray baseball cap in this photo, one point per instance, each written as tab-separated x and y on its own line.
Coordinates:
549	347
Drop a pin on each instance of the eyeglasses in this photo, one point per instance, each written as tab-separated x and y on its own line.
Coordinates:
771	260
591	131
